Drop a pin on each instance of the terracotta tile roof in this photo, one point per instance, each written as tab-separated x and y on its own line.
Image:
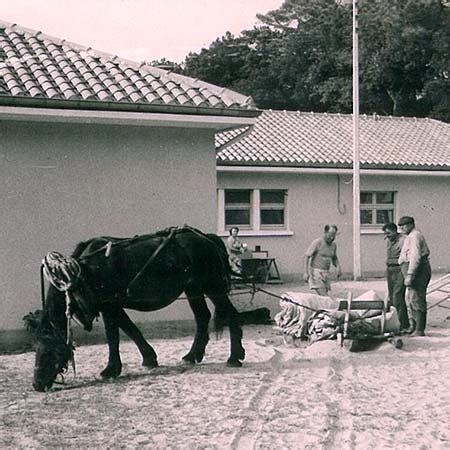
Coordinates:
282	138
40	70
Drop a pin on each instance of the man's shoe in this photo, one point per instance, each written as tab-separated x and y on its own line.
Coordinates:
412	327
418	333
421	320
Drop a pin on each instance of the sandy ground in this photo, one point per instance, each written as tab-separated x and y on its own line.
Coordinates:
319	396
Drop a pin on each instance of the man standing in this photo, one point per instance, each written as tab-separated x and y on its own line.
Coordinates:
318	259
394	276
416	270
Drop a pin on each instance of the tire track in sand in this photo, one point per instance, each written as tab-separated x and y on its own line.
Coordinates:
244	439
339	390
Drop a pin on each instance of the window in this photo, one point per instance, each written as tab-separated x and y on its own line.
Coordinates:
238	208
252	209
377	208
272	209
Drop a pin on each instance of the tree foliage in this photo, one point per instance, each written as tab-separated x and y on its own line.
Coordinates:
300	57
165	64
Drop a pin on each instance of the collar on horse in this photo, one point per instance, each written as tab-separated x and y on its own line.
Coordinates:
63	273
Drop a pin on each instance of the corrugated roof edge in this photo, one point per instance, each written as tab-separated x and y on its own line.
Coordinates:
249	109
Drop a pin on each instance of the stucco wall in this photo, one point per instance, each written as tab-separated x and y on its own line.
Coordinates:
64	183
424	198
313	201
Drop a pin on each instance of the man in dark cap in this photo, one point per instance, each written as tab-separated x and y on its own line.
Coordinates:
394	276
416	270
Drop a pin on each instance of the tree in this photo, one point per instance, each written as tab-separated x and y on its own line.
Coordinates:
165	64
223	63
399	42
299	57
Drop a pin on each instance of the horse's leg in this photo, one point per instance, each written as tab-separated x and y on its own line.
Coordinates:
202	316
111	321
149	358
226	314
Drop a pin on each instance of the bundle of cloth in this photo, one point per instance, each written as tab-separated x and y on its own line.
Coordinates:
313	317
296	310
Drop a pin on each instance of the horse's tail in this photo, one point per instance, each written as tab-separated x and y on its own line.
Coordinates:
219	245
224	316
223	257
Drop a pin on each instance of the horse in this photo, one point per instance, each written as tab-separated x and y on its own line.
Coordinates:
107	275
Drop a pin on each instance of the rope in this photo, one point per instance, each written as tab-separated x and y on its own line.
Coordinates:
42	287
63	272
68	317
325	312
287	299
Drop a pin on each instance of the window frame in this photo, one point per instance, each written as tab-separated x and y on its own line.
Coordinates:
272	207
374	207
255	227
240	206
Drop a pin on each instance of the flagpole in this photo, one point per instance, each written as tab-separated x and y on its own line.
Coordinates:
356	173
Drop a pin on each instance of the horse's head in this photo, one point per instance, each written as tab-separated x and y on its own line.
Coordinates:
52	351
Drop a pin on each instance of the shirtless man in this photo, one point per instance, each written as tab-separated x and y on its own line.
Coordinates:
318	259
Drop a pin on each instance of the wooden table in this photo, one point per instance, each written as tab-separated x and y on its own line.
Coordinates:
263	269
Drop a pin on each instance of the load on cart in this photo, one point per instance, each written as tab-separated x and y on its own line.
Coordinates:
357	322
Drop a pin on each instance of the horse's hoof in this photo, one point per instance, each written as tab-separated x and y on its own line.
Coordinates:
234	363
186	362
150	363
188	359
111	372
241	354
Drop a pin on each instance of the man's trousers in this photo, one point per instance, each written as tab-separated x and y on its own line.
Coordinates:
396	290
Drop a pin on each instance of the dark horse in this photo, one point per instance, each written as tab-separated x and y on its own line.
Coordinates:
143	273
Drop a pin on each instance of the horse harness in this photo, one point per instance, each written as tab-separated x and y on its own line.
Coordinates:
64	272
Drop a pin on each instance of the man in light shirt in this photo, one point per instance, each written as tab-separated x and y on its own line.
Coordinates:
318	259
416	270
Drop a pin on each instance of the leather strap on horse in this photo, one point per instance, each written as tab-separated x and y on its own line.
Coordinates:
165	241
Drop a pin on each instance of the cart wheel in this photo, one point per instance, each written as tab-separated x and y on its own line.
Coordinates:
398	343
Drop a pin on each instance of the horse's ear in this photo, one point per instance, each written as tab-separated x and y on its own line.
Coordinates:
33	321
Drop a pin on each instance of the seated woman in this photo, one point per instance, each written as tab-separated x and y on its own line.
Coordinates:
235	249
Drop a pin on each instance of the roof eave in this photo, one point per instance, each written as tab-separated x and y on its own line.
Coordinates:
368	169
93	105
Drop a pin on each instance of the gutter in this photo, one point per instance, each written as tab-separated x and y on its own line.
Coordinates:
34	114
331	171
93	105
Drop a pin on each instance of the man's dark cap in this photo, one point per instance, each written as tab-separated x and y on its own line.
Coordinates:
406	220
